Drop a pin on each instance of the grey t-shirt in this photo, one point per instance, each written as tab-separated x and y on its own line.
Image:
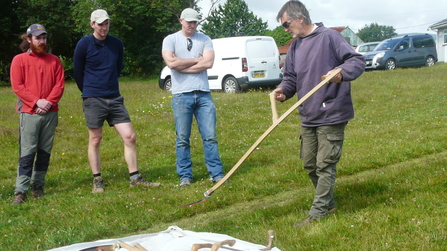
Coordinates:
178	44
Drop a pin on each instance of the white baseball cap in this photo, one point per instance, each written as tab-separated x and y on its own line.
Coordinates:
99	16
190	15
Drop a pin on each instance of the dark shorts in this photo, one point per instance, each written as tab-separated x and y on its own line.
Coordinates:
96	110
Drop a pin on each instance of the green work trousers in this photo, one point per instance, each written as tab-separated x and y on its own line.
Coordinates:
321	149
36	141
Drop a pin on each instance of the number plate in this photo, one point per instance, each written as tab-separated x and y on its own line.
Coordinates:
258	74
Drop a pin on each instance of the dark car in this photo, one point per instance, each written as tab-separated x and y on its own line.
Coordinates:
403	51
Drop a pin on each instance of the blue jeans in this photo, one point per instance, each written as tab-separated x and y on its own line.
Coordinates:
201	106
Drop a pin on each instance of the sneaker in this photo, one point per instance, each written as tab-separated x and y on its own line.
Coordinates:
306	222
218	179
19	198
139	181
37	192
185	183
98	185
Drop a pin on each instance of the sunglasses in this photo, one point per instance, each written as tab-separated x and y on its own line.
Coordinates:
189	44
286	24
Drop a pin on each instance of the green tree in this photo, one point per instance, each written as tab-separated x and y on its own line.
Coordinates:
56	16
281	37
233	19
375	32
141	24
17	15
10	38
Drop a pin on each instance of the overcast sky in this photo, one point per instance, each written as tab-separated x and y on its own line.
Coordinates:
406	16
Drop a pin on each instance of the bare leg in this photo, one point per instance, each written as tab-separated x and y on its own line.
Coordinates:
94	140
130	146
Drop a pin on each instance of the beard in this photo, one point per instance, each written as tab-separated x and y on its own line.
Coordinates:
40	49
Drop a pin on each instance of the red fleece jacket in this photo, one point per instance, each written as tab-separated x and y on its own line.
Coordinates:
36	77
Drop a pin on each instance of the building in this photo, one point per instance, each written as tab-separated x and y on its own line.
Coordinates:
441	39
349	35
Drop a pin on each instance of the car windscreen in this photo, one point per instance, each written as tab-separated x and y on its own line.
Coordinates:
386	45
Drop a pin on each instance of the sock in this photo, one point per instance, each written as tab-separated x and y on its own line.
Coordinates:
133	175
96	175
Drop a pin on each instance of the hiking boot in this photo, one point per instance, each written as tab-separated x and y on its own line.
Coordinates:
306	222
219	179
185	183
329	212
19	198
139	181
38	192
98	185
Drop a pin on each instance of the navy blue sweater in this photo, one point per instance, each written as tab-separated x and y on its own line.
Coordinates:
97	66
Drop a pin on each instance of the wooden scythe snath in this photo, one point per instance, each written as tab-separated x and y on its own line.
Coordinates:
276	121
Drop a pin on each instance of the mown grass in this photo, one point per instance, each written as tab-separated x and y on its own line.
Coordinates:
391	186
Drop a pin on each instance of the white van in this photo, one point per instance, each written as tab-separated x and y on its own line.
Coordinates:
240	63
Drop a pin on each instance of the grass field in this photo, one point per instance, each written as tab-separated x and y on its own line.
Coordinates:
391	185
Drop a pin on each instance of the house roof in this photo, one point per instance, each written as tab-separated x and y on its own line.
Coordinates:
439	24
339	29
283	49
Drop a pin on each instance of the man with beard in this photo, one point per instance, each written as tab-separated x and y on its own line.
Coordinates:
37	78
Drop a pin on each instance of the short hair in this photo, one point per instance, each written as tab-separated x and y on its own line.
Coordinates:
294	9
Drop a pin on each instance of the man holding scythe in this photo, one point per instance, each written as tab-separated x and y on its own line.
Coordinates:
318	51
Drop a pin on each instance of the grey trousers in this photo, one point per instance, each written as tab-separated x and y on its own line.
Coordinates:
321	149
35	144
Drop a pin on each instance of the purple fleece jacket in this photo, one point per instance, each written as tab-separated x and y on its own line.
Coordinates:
311	57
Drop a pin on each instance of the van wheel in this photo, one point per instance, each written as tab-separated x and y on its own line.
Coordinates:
168	85
390	64
430	61
230	85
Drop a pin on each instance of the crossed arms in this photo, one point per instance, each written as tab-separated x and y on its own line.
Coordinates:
189	65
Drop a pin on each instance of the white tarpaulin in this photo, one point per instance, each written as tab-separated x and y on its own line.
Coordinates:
173	239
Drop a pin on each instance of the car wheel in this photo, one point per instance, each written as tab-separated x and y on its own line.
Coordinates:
390	64
230	85
430	61
168	85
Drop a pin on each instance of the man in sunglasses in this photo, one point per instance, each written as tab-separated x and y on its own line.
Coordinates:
317	51
189	54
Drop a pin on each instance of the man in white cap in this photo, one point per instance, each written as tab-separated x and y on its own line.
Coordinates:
37	78
189	54
98	61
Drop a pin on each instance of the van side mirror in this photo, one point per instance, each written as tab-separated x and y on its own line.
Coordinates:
401	47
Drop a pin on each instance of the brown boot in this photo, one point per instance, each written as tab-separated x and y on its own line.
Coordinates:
98	185
19	198
38	193
139	181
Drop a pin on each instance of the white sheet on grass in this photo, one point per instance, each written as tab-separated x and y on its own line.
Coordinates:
172	239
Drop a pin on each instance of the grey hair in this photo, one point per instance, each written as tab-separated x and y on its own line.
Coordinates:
294	9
